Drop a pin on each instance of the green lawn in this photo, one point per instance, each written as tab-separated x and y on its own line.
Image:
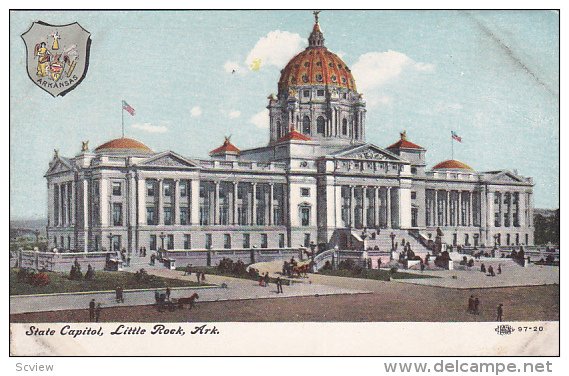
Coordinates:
215	271
382	275
103	281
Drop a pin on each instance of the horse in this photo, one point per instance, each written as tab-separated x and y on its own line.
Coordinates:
302	269
191	301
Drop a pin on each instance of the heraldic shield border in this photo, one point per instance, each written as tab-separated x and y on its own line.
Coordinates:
31	46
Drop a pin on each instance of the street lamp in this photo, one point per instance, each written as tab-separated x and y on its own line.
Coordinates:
162	236
392	236
111	242
312	249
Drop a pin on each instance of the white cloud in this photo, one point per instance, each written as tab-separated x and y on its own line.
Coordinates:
150	128
276	48
374	69
260	119
234	114
196	111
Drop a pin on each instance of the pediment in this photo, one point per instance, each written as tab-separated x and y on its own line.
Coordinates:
59	166
168	160
368	152
507	177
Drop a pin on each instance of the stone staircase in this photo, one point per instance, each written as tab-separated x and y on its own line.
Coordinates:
383	241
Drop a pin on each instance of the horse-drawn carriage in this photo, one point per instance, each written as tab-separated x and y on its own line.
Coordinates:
179	303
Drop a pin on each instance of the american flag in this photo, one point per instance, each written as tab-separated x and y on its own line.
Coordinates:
127	107
455	136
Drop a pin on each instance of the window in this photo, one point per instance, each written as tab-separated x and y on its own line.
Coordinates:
320	125
305	216
117	214
496	219
208	241
413	195
306	125
150	215
305	192
167	215
227	241
183	189
307	240
507	239
476	240
246	241
517	239
150	188
116	188
264	241
345	95
152	242
281	240
320	93
413	170
170	243
187	241
167	189
184	216
306	93
55	241
344	127
527	239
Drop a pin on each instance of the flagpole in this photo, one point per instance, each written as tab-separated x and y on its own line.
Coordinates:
122	119
451	147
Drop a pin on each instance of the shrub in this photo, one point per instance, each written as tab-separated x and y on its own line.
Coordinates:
40	279
393	270
348	264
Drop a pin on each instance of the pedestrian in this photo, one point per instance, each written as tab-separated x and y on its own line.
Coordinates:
279	286
152	259
261	280
499	312
476	306
188	270
168	291
92	310
266	279
128	259
483	268
119	294
379	263
140	252
156	296
203	277
98	312
491	271
198	276
471	304
499	268
422	266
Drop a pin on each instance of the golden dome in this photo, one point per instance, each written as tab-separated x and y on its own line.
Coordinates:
123	144
452	164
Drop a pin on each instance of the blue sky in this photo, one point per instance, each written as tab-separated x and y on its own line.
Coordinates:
492	76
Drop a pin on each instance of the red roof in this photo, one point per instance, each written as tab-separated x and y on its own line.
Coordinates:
124	144
295	135
404	144
226	148
452	164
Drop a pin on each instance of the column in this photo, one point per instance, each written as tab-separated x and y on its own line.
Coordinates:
365	204
176	202
254	204
459	208
234	203
63	209
388	206
160	211
447	208
86	214
436	217
376	206
470	209
352	207
73	203
511	209
104	202
271	198
141	203
522	209
194	201
216	206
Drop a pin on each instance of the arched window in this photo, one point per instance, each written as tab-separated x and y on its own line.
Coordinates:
344	127
306	125
279	130
320	125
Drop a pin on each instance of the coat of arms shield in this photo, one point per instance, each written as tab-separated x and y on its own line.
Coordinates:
57	56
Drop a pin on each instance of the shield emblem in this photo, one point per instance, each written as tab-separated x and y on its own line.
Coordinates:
57	56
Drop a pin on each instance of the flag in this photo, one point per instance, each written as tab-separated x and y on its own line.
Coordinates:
455	136
128	108
255	65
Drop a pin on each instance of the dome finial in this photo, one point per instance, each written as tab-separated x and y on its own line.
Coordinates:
316	38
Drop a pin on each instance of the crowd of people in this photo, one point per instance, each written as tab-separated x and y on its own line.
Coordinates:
474	308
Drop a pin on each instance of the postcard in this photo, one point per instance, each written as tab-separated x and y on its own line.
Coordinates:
371	182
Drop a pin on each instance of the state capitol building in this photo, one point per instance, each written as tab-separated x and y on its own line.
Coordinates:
317	181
